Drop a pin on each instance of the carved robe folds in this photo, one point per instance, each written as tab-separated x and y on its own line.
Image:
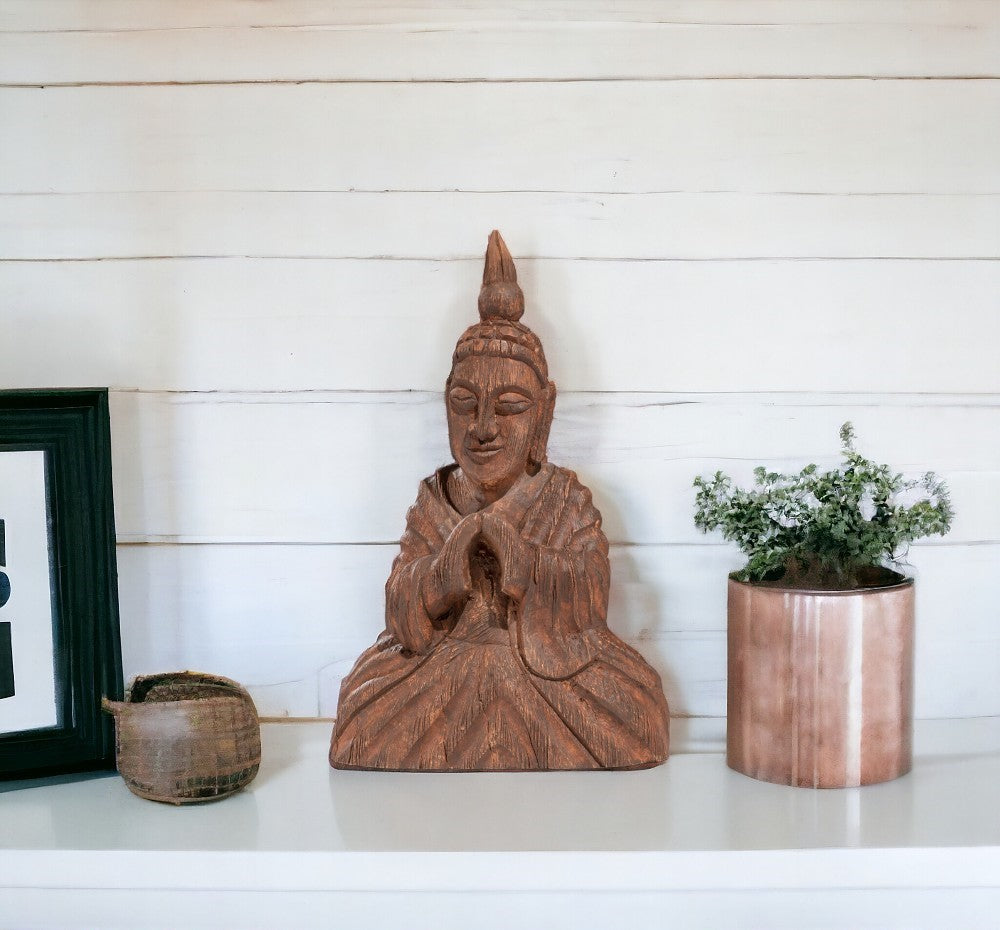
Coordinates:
519	679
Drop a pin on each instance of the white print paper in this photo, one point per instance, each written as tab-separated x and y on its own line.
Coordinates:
24	512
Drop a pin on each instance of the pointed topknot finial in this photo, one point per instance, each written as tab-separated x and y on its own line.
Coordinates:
500	297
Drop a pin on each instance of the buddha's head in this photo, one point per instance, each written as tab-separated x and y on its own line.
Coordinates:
498	395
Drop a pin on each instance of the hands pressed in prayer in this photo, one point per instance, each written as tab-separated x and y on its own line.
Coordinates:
449	580
515	556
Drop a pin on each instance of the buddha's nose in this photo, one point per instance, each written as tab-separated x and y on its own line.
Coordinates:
485	427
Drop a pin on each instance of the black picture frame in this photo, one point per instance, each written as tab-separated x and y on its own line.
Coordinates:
71	427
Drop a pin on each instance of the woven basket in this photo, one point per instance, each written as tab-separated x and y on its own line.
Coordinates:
186	737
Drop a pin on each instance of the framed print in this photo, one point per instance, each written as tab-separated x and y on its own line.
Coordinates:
60	649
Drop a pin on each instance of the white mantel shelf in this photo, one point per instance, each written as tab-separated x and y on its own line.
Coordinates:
689	844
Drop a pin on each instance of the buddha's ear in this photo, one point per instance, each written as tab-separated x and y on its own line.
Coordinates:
541	438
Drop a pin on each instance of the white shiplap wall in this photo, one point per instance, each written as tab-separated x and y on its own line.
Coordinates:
736	224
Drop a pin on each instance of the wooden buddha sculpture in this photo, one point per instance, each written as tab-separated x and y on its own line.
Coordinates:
496	654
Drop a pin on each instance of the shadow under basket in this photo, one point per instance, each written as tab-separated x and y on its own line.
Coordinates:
186	737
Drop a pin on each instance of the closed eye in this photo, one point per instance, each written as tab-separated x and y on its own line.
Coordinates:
511	403
462	401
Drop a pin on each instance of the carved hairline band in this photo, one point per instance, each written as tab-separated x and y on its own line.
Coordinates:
502	348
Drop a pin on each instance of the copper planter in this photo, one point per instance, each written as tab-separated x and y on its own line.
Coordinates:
820	684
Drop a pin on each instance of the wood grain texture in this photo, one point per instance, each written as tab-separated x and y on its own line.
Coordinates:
267	325
315	224
836	136
496	653
500	50
289	621
270	467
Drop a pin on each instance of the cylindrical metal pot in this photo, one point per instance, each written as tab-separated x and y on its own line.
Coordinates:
820	684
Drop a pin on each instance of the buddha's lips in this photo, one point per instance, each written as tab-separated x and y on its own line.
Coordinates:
483	452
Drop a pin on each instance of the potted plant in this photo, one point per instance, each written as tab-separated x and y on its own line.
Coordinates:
820	640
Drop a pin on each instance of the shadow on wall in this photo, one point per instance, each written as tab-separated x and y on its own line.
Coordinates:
153	575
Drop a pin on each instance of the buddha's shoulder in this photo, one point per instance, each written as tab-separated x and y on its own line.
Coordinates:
434	484
568	482
556	478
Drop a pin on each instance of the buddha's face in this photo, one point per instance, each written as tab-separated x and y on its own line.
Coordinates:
496	407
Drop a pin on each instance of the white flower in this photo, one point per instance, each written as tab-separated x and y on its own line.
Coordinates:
810	501
867	504
910	495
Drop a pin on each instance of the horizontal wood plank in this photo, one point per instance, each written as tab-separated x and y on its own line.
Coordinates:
741	135
86	15
343	468
289	621
501	51
275	325
454	225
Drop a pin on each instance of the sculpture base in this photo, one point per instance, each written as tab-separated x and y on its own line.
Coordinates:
459	771
475	707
